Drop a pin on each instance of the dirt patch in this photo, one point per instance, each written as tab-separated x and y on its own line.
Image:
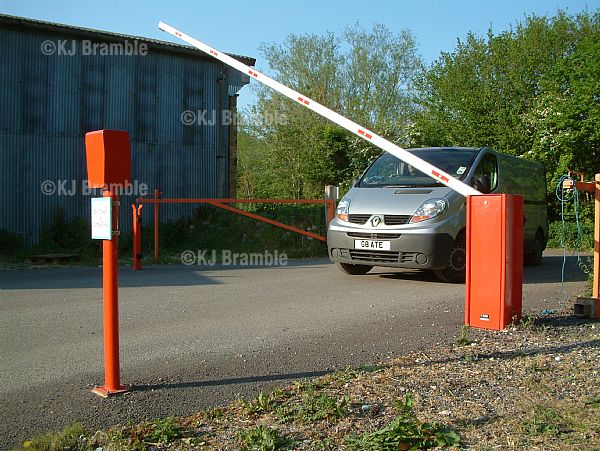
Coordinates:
535	385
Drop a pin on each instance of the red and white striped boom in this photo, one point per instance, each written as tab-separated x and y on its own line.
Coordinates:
338	119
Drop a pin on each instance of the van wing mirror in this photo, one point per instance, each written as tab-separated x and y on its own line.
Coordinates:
354	182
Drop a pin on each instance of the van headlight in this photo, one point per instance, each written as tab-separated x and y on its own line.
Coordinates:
429	209
343	209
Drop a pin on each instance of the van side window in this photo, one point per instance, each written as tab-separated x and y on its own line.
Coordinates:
485	178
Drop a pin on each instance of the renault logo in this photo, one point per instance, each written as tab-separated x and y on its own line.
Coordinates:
375	221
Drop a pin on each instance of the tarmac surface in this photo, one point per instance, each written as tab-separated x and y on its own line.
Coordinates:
199	336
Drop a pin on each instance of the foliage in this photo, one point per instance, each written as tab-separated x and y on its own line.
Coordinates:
530	91
405	432
263	438
264	402
205	231
70	438
364	75
463	338
10	243
313	406
164	431
568	235
544	420
63	235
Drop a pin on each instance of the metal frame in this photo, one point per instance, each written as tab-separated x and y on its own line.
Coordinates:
223	204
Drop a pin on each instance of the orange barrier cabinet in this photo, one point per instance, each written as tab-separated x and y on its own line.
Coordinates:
494	260
108	158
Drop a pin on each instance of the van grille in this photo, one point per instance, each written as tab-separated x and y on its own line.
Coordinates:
396	219
388	219
374	256
358	219
407	257
374	236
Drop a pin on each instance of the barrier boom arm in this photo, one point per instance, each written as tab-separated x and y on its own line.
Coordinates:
340	120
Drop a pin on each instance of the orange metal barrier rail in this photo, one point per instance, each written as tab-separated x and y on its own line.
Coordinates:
222	203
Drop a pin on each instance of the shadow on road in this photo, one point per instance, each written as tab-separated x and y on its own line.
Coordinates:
231	381
193	275
150	276
550	271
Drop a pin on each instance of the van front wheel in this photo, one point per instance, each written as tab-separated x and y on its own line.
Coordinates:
534	258
355	270
457	262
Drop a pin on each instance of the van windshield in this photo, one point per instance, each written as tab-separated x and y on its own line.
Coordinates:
388	170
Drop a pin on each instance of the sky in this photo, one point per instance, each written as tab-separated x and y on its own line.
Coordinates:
241	26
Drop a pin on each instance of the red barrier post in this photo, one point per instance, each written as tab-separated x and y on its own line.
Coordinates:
156	256
137	236
109	168
110	281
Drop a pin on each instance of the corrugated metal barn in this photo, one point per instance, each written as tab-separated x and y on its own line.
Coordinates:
59	82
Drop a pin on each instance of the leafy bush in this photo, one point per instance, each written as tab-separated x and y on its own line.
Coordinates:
569	235
10	243
73	236
212	228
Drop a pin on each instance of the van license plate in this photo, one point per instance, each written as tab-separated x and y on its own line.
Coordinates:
372	244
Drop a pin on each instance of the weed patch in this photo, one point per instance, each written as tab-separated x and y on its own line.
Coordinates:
263	438
405	432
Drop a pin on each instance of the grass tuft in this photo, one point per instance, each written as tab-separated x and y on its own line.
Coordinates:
463	338
405	432
71	437
545	421
263	438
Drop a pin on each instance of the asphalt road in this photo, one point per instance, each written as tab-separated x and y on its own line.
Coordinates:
193	337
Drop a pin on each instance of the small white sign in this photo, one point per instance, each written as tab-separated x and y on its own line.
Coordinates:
102	218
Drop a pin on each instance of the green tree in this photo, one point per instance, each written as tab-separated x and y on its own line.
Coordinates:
481	93
565	118
364	75
531	91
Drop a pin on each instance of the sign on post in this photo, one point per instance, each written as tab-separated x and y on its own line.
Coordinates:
101	218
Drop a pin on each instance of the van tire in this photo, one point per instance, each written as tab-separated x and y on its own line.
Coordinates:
457	262
355	270
534	258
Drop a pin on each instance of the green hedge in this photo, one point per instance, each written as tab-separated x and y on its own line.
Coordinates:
568	235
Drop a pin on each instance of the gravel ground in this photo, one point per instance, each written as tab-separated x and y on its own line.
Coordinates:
533	386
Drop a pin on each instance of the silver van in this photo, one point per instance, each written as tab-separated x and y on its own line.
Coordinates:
397	216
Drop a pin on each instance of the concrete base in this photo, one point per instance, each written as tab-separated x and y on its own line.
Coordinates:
587	307
103	391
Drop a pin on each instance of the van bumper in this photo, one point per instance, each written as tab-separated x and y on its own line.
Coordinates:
417	251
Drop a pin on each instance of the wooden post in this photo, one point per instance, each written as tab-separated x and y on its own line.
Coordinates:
591	306
596	288
331	194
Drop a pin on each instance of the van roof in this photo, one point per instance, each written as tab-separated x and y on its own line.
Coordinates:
446	148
